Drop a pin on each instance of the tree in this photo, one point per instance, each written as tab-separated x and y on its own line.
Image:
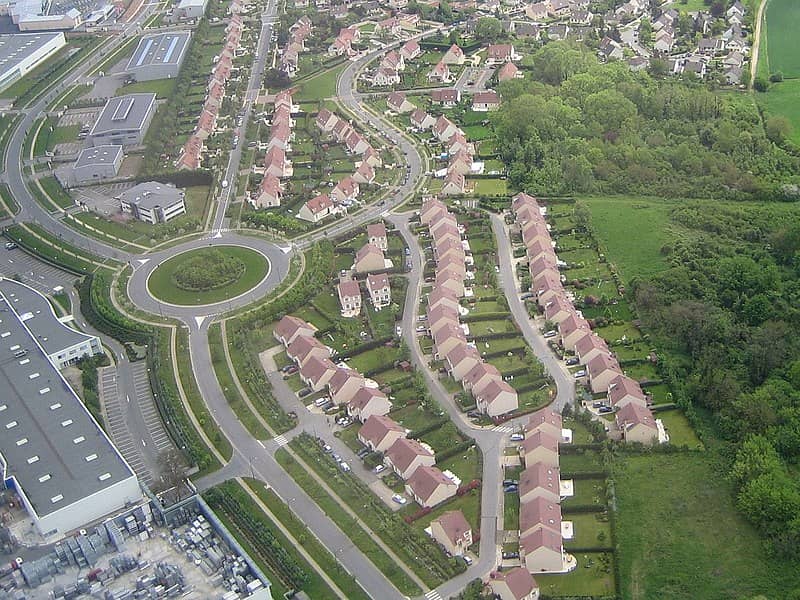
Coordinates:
776	77
645	32
777	128
172	468
760	84
488	30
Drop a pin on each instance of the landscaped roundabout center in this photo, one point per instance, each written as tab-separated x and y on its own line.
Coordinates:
207	275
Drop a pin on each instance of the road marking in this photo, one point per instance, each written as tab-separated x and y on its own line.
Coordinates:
199	321
260	443
503	428
142	261
281	441
433	595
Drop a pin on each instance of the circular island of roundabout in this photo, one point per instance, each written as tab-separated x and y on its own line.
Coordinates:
207	275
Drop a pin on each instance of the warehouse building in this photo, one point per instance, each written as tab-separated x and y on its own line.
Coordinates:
123	121
32	15
191	9
159	56
53	453
62	344
20	53
95	164
153	202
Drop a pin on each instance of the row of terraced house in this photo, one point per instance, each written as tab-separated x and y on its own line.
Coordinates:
633	417
493	395
277	165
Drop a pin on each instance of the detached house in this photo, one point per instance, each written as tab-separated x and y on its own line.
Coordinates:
453	532
380	293
411	50
364	174
485	101
316	209
385	77
516	584
398	102
347	190
369	258
422	120
379	432
454	56
430	487
349	298
269	192
499	53
508	71
637	424
376	234
405	456
447	98
289	328
440	73
444	129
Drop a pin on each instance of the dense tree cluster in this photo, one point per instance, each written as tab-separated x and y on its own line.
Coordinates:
208	270
576	126
727	310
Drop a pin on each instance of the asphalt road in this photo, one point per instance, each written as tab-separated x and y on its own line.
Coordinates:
565	383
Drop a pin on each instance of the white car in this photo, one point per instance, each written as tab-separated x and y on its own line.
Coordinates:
380	468
580	373
399	499
517	437
551	333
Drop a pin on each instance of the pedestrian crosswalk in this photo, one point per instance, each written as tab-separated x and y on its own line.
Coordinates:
503	428
281	440
433	595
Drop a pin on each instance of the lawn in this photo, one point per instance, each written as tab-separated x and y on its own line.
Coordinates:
632	232
488	187
511	512
464	464
592	530
469	504
679	430
319	86
594	576
680	536
580	462
587	491
161	281
162	88
782	24
781	99
53	189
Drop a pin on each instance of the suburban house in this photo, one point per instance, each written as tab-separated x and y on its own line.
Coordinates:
289	328
447	98
317	372
558	309
276	163
349	298
430	487
572	329
326	120
590	346
540	480
461	163
369	258
269	193
440	317
372	157
447	338
304	347
540	447
545	419
347	190
509	71
364	174
609	49
411	50
316	209
454	56
385	77
539	513
398	102
422	120
546	287
368	402
460	359
496	398
623	391
454	184
344	384
376	234
515	584
637	424
485	101
404	456
444	128
379	432
453	532
480	376
542	551
380	292
602	370
356	143
440	72
432	209
499	53
450	280
442	298
539	248
448	247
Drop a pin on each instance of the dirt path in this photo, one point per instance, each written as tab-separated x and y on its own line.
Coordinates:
757	43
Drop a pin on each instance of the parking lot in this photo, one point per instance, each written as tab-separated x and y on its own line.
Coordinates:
33	272
102	198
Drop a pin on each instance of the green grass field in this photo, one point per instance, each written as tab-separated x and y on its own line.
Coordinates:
781	99
161	285
320	86
680	536
783	49
632	232
162	88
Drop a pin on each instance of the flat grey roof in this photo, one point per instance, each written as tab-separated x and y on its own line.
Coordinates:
49	441
160	49
99	155
17	47
37	314
124	113
152	194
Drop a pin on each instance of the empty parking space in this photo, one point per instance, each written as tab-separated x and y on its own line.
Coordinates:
31	271
147	407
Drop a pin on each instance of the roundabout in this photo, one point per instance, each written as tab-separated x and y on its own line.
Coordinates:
207	275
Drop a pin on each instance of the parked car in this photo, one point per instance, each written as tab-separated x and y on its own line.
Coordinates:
511	489
327	449
581	373
304	392
510	555
362	453
510	482
473	414
345	467
551	333
467	559
517	437
321	401
380	468
572	361
421	328
605	409
399	499
10	245
597	404
336	457
291	370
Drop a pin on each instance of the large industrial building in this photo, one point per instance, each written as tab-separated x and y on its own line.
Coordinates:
20	53
159	56
33	15
53	453
97	163
124	121
191	9
153	202
62	344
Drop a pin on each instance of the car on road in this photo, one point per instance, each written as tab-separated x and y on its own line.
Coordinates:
399	331
517	437
399	499
327	449
224	183
581	373
380	468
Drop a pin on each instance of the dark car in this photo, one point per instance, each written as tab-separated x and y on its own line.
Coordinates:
510	482
304	392
572	361
473	414
510	555
605	409
511	489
